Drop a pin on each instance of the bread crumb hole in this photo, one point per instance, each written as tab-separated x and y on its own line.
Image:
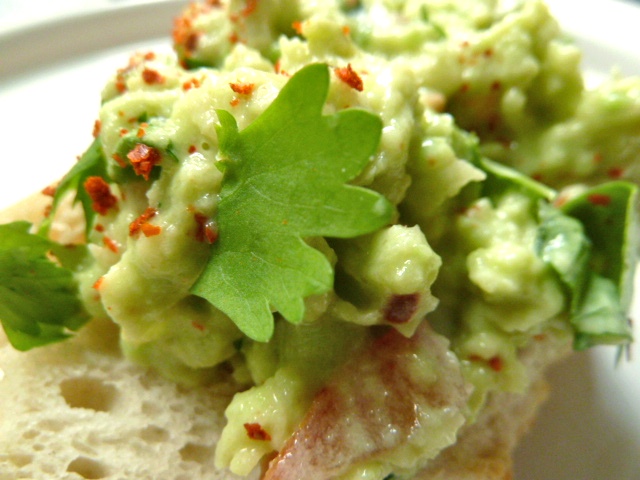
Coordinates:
87	468
195	453
20	460
153	434
91	393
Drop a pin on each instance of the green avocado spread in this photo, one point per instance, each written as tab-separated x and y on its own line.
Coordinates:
301	177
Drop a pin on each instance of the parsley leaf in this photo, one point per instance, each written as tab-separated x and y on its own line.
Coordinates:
92	163
39	301
285	180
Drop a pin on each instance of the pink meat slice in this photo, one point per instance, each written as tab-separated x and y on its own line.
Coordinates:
372	406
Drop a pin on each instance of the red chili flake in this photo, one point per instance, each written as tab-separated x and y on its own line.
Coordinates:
150	56
297	26
249	8
136	226
400	308
150	230
207	230
99	228
49	191
488	52
191	43
256	432
120	84
97	126
144	158
243	88
142	130
346	30
192	149
123	132
496	85
98	283
235	102
599	199
100	194
198	326
191	83
615	172
152	77
119	160
350	77
234	37
110	244
464	87
496	363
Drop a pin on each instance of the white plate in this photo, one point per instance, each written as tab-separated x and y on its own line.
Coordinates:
51	74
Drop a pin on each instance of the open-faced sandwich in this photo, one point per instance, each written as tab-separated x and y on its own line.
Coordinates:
326	239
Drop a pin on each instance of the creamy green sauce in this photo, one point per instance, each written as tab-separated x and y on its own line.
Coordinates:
433	72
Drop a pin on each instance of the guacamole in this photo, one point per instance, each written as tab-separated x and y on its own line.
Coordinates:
466	192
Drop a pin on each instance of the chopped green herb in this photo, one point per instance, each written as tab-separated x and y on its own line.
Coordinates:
285	180
92	163
39	301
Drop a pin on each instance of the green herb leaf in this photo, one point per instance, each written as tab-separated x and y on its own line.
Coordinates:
285	180
39	301
589	242
92	163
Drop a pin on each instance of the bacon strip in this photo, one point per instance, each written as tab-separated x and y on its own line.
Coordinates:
372	406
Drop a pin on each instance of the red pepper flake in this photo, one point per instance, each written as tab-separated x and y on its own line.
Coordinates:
110	244
123	132
144	158
49	191
401	308
496	363
235	102
350	77
121	85
599	199
198	326
149	56
615	172
152	77
243	88
100	194
138	225
346	30
488	52
98	283
256	432
192	149
297	26
119	160
97	126
234	37
191	83
191	43
142	130
496	85
207	230
464	87
249	8
99	228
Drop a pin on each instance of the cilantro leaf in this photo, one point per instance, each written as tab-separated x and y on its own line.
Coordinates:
38	297
92	163
285	180
589	242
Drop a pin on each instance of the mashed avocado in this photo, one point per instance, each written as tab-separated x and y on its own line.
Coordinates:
493	255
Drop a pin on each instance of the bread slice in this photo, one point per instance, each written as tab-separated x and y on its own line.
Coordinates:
80	410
